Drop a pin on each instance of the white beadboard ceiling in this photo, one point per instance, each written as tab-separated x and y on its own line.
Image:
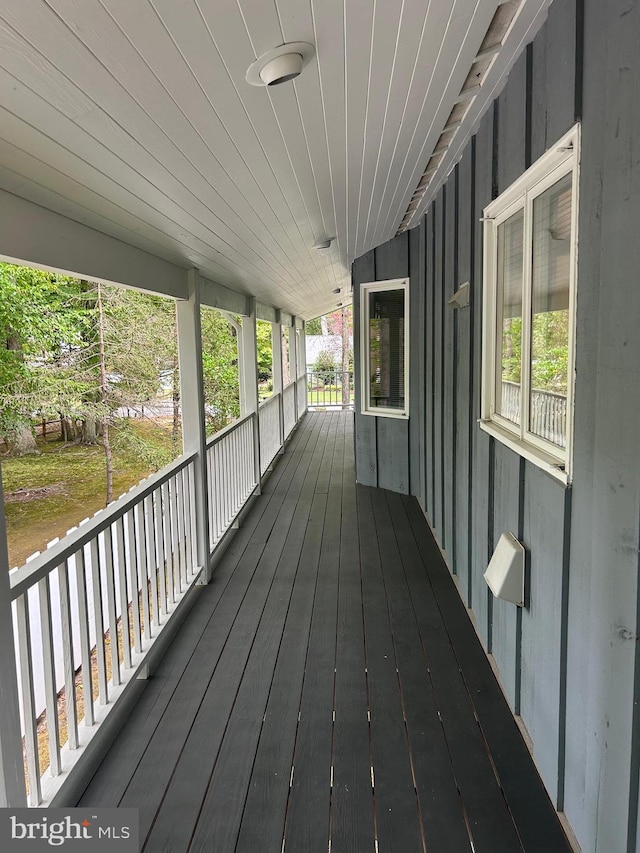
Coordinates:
134	117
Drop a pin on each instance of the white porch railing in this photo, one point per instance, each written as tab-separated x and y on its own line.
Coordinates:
330	389
301	396
231	478
289	408
547	412
270	432
88	609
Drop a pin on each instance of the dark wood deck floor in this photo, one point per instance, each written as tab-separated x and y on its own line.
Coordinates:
327	692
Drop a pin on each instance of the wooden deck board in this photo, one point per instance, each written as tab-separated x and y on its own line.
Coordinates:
330	640
352	807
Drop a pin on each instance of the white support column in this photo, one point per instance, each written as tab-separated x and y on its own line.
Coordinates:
302	360
12	784
276	348
248	372
192	403
293	361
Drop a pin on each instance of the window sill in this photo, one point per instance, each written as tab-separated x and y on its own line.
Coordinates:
547	463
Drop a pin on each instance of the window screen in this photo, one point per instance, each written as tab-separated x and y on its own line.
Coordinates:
385	342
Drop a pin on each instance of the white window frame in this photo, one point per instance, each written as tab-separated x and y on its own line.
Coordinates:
560	160
365	402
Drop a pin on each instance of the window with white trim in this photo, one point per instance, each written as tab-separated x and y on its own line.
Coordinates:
384	314
530	243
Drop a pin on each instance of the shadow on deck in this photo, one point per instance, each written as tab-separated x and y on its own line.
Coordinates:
327	690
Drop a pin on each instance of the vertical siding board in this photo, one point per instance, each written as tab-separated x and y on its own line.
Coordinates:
512	150
392	261
392	258
539	93
603	734
481	441
462	390
428	417
448	385
417	442
364	270
512	125
554	76
438	341
543	536
506	483
393	448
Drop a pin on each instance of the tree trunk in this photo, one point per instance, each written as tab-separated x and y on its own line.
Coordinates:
90	431
104	390
21	441
346	380
66	429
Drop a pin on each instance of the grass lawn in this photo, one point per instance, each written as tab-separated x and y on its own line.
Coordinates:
48	493
325	395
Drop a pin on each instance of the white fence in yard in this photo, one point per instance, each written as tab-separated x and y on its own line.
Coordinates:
88	609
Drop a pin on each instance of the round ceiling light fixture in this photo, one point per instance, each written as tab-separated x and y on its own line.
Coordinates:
280	64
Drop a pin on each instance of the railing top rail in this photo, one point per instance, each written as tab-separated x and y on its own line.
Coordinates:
234	425
20	580
536	390
264	403
290	384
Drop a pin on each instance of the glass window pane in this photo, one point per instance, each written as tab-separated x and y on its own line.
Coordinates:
550	312
509	316
386	349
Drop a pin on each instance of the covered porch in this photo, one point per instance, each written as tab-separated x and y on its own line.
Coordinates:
327	690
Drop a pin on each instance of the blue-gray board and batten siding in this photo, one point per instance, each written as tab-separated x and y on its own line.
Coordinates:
569	660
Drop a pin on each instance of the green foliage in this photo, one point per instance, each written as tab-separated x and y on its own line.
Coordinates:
325	366
50	365
512	350
131	443
264	344
549	351
313	327
220	370
40	326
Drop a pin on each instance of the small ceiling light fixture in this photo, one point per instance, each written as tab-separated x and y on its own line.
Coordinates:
280	64
337	290
323	243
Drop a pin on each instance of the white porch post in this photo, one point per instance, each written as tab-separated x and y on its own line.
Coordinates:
12	785
248	372
301	369
192	402
276	344
293	362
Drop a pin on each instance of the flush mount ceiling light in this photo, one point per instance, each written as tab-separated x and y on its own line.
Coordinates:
323	243
280	64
